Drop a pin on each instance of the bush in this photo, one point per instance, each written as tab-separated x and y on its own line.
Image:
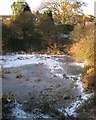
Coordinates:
83	48
89	78
81	31
66	28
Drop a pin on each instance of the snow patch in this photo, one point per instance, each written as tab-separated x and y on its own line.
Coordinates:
71	109
18	112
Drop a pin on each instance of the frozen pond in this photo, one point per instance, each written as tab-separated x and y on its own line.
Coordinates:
61	68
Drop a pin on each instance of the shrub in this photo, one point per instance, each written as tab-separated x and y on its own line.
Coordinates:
89	78
83	49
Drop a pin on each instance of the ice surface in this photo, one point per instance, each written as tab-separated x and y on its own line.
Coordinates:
52	63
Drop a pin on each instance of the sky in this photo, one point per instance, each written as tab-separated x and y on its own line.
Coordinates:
5	8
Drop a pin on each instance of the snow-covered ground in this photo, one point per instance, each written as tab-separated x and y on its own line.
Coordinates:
18	112
26	59
16	60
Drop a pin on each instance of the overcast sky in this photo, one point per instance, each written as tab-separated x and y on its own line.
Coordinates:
5	8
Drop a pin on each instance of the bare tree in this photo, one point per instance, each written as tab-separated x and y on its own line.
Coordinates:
65	11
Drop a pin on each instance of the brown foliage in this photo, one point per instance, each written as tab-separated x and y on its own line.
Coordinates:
89	79
83	48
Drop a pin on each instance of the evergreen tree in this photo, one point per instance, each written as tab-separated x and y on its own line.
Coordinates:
18	8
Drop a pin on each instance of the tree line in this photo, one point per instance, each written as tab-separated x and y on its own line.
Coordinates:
38	31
